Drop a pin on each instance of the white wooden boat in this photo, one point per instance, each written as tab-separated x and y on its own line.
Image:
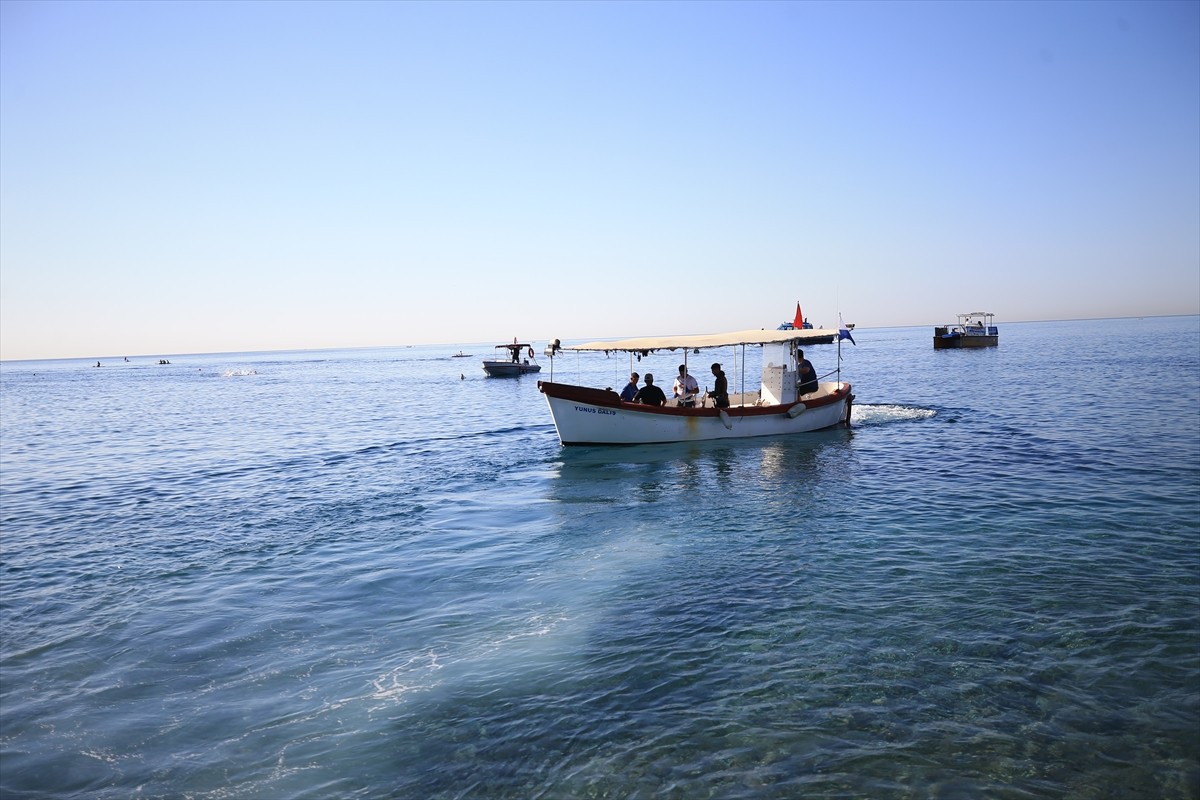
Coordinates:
520	361
590	416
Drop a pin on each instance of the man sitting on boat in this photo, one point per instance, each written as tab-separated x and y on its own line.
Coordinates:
806	376
685	388
631	388
650	394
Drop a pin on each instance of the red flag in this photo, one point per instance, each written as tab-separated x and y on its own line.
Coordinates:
798	323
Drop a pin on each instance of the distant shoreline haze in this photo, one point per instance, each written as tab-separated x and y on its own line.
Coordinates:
538	341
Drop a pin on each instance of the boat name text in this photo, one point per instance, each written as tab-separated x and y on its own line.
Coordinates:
587	410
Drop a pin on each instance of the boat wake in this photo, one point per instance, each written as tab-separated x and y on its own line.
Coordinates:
416	674
865	414
238	373
537	643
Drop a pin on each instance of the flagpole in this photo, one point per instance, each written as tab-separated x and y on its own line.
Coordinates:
843	333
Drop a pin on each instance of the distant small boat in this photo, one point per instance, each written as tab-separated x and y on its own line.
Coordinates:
976	329
461	354
807	326
800	323
520	361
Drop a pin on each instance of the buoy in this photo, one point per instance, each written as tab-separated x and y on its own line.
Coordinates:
725	420
796	410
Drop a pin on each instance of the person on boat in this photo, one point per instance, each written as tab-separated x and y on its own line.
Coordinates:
806	376
631	388
720	392
650	394
685	388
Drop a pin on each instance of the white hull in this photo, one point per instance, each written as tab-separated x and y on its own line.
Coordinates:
598	417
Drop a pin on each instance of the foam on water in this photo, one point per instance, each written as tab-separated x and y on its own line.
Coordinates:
882	413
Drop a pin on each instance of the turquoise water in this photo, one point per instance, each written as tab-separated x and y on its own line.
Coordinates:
376	573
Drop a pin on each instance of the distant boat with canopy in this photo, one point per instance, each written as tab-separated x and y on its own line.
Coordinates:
974	329
520	360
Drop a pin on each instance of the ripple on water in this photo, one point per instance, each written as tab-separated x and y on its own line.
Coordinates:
312	581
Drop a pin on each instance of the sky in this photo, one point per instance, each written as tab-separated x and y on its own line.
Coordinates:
196	177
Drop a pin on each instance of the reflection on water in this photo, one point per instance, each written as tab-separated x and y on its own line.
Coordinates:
703	472
571	460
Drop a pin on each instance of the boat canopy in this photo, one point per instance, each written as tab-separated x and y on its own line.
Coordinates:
696	341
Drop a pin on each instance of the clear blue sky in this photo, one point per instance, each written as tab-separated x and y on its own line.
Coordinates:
196	177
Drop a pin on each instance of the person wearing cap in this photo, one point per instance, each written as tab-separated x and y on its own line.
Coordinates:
720	391
650	394
685	388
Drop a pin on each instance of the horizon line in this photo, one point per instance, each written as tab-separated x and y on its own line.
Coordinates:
450	344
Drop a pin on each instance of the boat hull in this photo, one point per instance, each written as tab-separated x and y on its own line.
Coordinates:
507	369
587	416
956	341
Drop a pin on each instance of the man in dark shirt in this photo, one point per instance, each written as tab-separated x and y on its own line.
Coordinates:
630	389
650	394
806	376
720	392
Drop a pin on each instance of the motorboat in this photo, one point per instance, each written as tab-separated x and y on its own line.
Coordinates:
787	326
775	406
520	360
801	323
976	329
461	354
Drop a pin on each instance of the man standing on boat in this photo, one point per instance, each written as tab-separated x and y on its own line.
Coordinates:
685	387
720	392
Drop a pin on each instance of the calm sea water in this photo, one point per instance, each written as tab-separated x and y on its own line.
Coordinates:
376	573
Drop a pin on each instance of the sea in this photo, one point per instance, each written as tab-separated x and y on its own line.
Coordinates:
376	573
